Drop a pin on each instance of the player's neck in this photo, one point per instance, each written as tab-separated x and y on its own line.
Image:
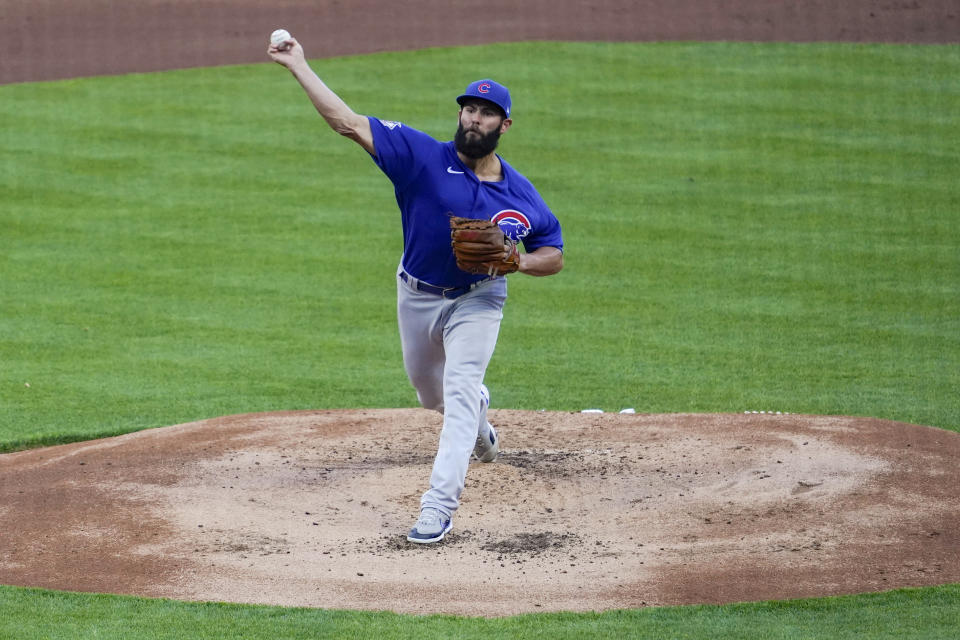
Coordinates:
487	168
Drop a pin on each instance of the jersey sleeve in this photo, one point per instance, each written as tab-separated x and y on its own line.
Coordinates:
545	229
399	150
546	233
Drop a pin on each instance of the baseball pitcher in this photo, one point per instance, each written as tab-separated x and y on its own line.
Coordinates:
464	214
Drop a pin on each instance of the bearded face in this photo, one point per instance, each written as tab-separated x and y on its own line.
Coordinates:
475	144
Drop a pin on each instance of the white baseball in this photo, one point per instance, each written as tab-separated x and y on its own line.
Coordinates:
278	37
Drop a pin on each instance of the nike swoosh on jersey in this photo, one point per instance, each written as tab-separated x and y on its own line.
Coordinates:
450	170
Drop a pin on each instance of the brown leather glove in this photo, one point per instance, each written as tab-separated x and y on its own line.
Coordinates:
482	248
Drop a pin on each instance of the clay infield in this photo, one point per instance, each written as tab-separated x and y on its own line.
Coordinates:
581	511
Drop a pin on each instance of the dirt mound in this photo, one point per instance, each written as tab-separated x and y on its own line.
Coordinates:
581	511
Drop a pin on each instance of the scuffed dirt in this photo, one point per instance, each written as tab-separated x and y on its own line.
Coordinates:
581	512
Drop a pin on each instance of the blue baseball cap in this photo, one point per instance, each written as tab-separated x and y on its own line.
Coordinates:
488	90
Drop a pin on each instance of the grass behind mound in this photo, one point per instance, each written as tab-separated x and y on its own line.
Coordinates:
747	226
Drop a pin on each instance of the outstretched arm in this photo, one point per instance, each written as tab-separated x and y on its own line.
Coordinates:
335	111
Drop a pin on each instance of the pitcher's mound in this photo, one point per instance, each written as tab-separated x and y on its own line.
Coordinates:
580	512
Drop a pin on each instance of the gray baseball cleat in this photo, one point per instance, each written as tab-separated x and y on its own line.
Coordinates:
431	526
488	447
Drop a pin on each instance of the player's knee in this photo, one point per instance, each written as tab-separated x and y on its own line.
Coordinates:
430	401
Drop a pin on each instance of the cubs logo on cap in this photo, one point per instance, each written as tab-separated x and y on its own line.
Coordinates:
490	90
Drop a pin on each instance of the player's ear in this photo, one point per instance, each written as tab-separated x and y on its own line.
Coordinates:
505	125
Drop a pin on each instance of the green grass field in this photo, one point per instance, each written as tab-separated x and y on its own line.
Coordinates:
747	227
894	615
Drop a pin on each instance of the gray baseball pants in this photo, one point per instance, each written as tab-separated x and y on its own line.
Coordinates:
447	345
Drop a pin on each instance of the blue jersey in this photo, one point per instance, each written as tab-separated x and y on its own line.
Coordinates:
431	184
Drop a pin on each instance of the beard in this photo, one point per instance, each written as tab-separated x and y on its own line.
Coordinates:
478	145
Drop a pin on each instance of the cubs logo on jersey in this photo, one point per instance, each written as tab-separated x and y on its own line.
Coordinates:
514	224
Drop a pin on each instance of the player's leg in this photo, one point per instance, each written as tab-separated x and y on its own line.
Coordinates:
421	337
420	320
470	336
488	441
